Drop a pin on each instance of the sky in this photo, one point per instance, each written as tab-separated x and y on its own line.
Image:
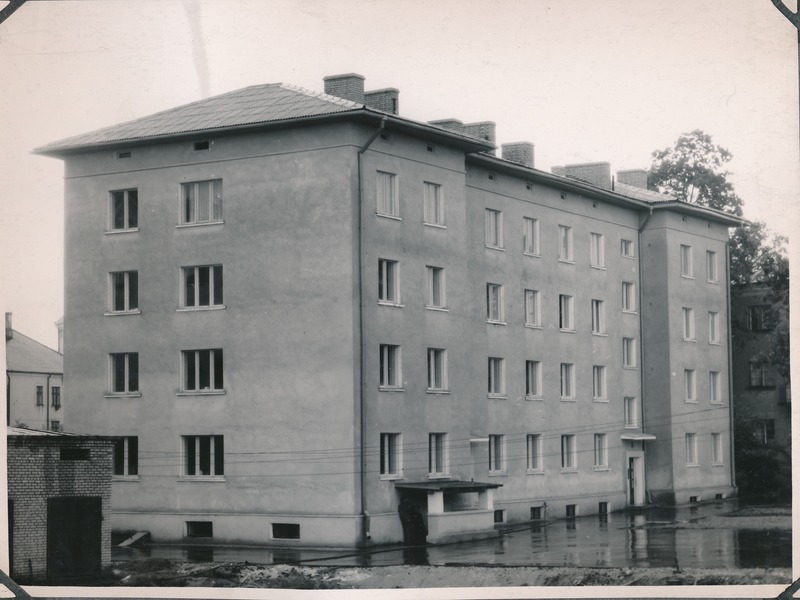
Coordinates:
608	80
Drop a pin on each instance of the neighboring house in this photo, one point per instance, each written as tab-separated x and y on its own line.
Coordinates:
34	382
313	321
761	395
59	513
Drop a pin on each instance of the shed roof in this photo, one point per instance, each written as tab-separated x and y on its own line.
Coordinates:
26	355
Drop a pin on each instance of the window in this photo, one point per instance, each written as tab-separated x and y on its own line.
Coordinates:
433	204
124	291
571	511
565	243
600	451
204	145
711	267
286	531
199	529
569	455
597	247
497	459
388	204
55	393
631	411
690	385
55	425
687	266
760	375
530	235
533	379
124	210
716	449
390	455
437	454
202	202
125	372
388	281
628	296
202	286
534	452
500	515
598	317
565	313
567	380
126	456
39	395
202	370
628	352
390	366
203	456
760	318
688	324
691	449
765	431
436	287
626	248
497	386
714	391
536	513
437	369
598	383
533	312
494	228
713	328
494	303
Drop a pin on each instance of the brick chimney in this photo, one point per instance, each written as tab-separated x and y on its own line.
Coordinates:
349	86
484	130
9	330
386	100
518	152
597	174
633	177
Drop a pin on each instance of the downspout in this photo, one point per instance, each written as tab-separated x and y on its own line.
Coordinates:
47	404
8	398
730	359
362	409
641	340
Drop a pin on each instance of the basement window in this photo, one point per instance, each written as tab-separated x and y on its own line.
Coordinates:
500	516
572	511
204	145
199	529
693	499
74	454
602	508
286	531
536	513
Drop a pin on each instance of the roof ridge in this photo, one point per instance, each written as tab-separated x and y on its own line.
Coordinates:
29	338
321	95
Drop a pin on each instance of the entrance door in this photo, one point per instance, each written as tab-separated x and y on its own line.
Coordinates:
635	480
73	537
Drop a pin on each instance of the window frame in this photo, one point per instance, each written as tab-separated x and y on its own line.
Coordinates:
566	312
629	297
493	229
127	211
623	248
438	455
717	455
39	395
714	387
215	368
532	301
128	460
599	386
497	454
129	293
687	261
600	452
630	411
692	459
569	453
432	273
193	448
437	365
597	250
712	272
566	250
533	379
190	205
496	378
129	372
713	328
389	282
759	318
760	376
689	332
390	367
598	311
531	244
533	453
432	204
391	454
495	303
215	286
567	374
55	397
690	386
387	203
629	353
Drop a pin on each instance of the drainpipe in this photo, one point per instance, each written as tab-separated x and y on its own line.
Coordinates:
641	339
8	398
47	405
730	359
365	533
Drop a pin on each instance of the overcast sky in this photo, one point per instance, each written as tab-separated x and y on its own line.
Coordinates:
607	80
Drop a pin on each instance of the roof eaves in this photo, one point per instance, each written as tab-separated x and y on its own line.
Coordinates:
712	214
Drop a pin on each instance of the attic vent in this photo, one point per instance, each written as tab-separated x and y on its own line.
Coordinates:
201	145
491	176
563	195
528	186
385	137
125	154
431	148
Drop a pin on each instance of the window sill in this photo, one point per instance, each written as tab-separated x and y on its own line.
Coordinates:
497	396
629	367
201	393
396	477
128	478
598	267
689	340
490	322
384	388
630	312
203	224
569	470
566	261
568	399
435	225
200	308
392	217
534	398
498	473
390	303
687	276
534	472
632	256
124	395
437	392
438	476
712	282
687	401
122	313
120	231
498	248
600	400
692	465
710	343
566	330
533	254
530	326
601	469
202	478
717	403
717	464
438	308
599	334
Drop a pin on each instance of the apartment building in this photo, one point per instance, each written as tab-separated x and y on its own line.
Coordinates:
312	321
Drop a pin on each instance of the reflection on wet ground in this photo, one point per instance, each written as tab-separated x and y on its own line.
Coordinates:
626	539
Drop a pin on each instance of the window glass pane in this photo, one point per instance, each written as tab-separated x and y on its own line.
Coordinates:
204	369
133	455
218	376
133	290
216	213
191	370
118	362
189	293
203	286
133	208
219	455
119	457
118	283
118	207
188	203
218	285
133	372
191	455
205	454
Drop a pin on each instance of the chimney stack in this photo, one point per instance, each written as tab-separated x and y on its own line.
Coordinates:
9	330
518	152
484	130
597	174
349	86
633	177
386	100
